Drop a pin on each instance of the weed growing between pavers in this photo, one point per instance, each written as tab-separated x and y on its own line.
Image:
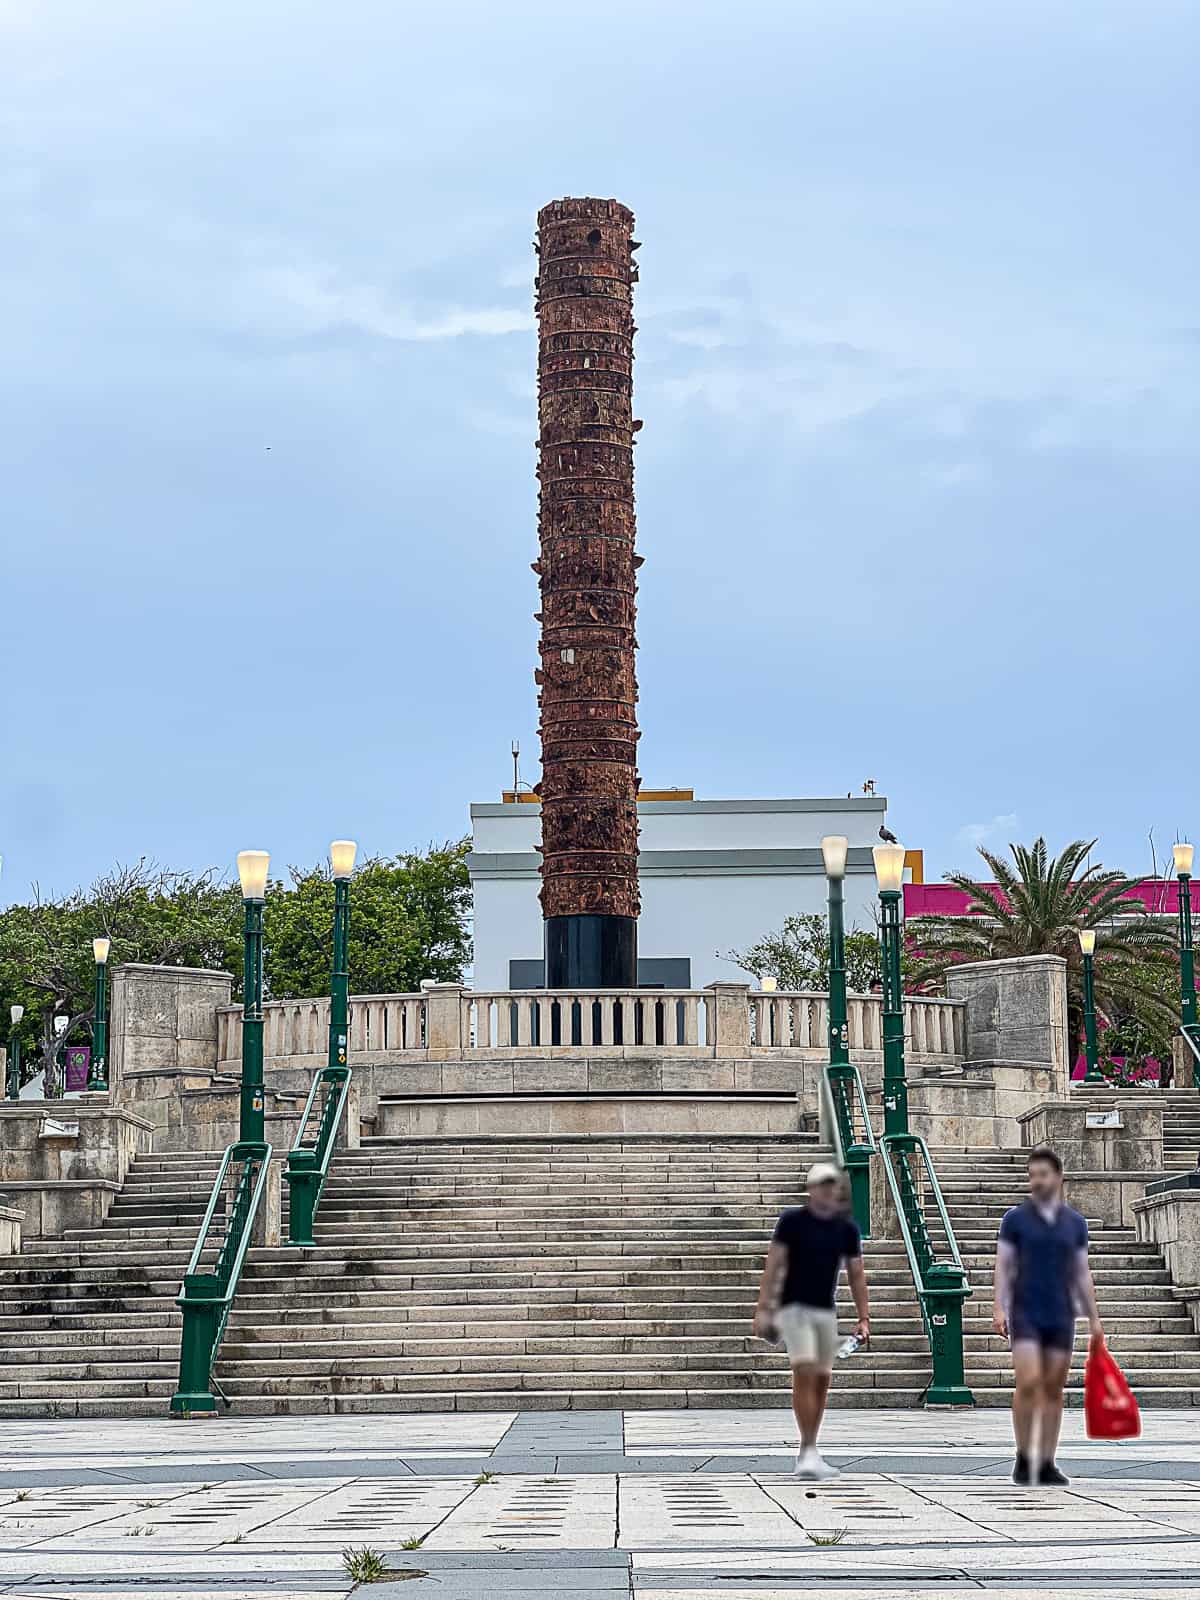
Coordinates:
365	1565
835	1536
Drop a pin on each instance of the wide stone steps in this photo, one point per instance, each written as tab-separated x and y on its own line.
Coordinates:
467	1275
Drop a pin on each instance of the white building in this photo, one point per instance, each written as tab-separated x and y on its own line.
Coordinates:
716	875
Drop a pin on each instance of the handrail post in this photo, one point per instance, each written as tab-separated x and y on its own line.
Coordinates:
945	1290
205	1297
304	1185
855	1152
941	1285
201	1304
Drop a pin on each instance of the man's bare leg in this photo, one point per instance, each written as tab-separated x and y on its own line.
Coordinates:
1056	1367
810	1388
1027	1396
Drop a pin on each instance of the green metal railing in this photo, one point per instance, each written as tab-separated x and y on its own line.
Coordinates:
853	1138
308	1159
207	1293
937	1267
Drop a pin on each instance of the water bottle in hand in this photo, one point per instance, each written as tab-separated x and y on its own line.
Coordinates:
848	1346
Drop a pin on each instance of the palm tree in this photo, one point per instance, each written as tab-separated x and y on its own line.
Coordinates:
1037	908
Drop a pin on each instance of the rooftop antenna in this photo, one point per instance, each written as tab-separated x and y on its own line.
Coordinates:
516	755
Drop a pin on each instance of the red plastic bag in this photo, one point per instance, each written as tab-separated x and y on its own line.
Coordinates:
1109	1409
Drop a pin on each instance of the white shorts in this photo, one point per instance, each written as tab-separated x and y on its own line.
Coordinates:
810	1334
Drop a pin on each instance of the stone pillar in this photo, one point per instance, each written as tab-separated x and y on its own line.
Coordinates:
163	1018
1171	1220
729	1018
1016	1011
10	1230
1185	1063
444	1021
268	1224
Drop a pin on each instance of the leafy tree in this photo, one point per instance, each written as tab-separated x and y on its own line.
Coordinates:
1038	906
798	955
408	921
149	913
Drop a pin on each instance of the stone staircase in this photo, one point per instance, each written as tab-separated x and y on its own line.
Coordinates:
1148	1330
520	1274
588	1273
88	1322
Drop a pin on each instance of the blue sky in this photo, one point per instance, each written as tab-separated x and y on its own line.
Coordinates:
917	360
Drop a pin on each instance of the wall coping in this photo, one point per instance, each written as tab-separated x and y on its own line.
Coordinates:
32	1185
1140	1104
11	1214
174	974
1008	962
78	1110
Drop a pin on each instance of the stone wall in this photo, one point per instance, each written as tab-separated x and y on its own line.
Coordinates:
63	1162
1171	1220
164	1019
981	1105
1016	1011
574	1116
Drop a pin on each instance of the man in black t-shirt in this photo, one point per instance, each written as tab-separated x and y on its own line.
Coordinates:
796	1301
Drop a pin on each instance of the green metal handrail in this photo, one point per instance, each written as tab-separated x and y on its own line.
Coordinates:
308	1159
853	1137
940	1278
206	1296
1191	1035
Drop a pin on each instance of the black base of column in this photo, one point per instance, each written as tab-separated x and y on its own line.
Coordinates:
589	952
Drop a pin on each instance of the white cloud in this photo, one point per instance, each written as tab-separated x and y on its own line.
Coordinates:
999	829
310	301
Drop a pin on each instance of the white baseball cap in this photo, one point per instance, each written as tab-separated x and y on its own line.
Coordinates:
821	1172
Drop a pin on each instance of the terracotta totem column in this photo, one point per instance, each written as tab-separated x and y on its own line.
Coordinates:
587	570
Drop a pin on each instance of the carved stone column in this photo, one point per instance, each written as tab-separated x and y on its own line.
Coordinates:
586	567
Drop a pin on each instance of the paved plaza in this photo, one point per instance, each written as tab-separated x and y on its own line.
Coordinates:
661	1505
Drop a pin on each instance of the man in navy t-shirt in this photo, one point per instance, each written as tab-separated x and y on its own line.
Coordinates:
810	1245
1042	1283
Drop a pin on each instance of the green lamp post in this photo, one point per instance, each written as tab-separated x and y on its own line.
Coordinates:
252	868
97	1081
1187	960
833	852
1087	944
889	874
304	1168
841	1075
54	1080
341	859
13	1086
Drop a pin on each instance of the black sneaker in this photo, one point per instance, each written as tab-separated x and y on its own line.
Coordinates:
1021	1471
1049	1474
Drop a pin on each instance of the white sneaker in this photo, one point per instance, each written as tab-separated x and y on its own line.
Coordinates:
821	1469
805	1463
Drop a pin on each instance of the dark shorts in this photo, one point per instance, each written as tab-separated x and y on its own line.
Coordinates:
1049	1335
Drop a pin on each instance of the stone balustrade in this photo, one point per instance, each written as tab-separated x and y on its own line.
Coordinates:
450	1022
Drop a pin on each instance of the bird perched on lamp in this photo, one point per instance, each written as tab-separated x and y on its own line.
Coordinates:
887	835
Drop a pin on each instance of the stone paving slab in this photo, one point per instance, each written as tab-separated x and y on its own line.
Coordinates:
675	1504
